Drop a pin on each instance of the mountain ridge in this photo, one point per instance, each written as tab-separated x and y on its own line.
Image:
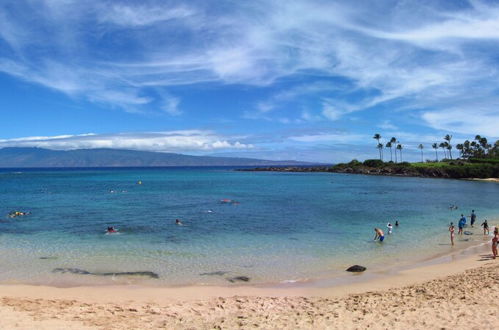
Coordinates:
26	157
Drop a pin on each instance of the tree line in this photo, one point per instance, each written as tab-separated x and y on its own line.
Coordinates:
477	148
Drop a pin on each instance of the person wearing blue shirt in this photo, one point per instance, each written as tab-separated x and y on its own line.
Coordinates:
461	224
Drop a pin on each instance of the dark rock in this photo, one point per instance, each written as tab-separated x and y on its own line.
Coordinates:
48	258
238	279
217	273
85	272
356	269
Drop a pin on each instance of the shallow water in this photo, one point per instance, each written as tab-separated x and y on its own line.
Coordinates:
286	226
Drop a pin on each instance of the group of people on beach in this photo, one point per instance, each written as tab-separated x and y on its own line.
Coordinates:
462	223
380	235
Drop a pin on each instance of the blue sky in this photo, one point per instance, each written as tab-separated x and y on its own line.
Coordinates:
306	80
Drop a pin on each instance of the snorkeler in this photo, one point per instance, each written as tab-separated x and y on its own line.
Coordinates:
379	234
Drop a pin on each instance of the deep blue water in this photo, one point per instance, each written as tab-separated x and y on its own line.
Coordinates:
285	226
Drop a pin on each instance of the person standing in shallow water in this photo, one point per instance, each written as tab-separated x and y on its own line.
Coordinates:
495	242
451	230
461	224
379	234
485	226
473	218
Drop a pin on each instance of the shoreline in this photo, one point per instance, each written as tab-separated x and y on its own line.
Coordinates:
371	171
431	287
346	283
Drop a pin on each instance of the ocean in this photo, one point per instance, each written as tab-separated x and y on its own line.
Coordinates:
256	228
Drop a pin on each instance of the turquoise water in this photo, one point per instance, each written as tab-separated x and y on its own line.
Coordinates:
286	226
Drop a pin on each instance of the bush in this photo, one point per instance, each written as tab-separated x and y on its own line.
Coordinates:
354	162
374	163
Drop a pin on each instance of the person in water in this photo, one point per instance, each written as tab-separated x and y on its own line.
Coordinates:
461	224
451	230
485	226
396	223
473	218
390	227
178	222
111	230
495	242
379	234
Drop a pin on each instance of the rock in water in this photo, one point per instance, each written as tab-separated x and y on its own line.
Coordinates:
238	279
356	269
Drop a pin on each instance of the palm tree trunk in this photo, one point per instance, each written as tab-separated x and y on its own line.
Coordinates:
391	158
422	156
436	154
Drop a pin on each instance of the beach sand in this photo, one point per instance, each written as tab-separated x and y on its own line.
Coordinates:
460	293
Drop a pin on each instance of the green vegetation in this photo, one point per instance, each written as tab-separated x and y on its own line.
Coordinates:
478	159
456	169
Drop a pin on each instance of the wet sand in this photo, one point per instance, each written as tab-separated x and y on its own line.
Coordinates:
459	293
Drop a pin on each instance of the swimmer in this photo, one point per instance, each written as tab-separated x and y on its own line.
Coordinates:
390	227
111	230
178	222
451	230
396	223
485	226
379	234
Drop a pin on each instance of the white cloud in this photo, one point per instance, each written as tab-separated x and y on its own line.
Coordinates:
387	125
171	141
127	15
330	138
466	121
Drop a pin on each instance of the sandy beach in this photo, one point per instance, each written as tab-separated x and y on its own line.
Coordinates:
459	293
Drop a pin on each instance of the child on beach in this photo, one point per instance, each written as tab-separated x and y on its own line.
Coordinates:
485	226
451	230
495	242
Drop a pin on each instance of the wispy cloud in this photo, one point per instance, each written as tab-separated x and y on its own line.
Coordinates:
130	55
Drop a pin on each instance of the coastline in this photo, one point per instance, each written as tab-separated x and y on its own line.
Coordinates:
392	170
468	284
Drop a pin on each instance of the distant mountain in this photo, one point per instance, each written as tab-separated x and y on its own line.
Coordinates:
37	157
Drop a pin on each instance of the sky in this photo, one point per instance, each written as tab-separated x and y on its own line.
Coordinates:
303	80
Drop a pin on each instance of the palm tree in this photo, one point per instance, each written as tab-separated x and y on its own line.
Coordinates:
393	141
460	147
448	146
421	148
443	146
389	145
380	147
377	137
435	146
399	148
